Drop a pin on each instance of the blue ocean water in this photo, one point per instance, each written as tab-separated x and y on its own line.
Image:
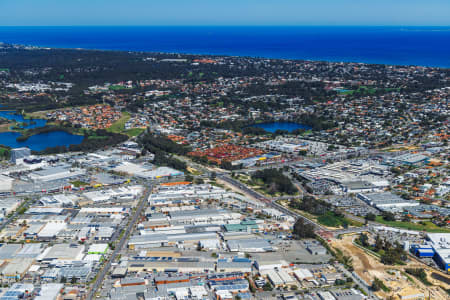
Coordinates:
427	46
274	126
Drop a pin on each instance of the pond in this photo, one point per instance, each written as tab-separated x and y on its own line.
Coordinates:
274	126
36	142
13	116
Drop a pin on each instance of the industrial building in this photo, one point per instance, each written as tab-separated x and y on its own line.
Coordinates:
249	245
60	172
440	243
18	154
386	201
410	159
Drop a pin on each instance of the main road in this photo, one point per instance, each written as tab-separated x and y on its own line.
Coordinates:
119	246
269	202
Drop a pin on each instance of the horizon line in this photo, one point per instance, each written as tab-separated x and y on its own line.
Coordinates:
229	25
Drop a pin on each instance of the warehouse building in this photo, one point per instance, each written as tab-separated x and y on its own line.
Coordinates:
63	252
49	291
18	154
387	201
264	265
274	278
9	251
6	183
287	279
249	245
16	269
61	172
234	266
411	159
233	286
303	274
169	266
441	245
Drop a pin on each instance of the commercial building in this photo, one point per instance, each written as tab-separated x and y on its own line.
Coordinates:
274	278
249	245
6	183
49	291
169	266
234	266
16	269
98	249
440	242
63	252
60	172
19	154
411	159
387	201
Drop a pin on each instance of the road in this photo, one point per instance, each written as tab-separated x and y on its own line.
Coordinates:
25	205
271	202
120	245
362	285
237	184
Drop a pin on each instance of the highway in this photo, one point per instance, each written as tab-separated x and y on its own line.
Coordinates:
270	202
26	204
120	245
264	199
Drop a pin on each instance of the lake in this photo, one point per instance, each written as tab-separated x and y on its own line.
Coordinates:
36	142
13	116
274	126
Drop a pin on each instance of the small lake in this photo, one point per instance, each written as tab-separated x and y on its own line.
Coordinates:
274	126
13	116
36	142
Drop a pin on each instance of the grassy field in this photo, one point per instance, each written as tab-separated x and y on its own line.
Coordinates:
134	131
364	89
330	219
118	87
96	137
119	125
78	183
428	227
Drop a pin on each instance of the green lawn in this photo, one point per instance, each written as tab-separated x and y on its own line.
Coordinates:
118	87
364	89
96	137
119	125
428	227
134	131
361	89
330	219
78	183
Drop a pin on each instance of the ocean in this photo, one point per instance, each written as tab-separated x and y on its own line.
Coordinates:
425	46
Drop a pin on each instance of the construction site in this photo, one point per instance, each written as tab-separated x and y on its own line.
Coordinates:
398	284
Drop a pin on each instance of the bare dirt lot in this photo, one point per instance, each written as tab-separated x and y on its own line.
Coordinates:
369	267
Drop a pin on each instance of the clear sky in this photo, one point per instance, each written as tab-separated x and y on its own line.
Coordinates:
224	12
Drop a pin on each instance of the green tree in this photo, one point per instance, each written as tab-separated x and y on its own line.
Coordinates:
370	217
303	229
267	287
364	239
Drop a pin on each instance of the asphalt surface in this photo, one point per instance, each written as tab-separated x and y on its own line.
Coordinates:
16	213
269	202
119	246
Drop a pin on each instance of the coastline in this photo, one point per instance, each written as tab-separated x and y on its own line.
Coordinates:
404	45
